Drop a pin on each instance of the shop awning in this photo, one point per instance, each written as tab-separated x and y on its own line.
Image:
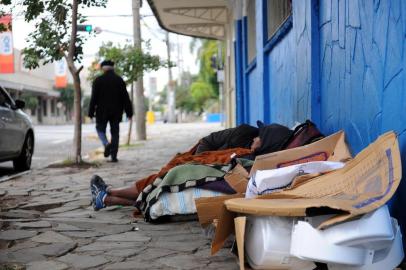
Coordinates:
196	18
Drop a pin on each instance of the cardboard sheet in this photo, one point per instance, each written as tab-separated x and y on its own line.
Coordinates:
331	148
364	184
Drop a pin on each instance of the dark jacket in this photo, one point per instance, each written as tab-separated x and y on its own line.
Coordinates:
109	97
240	136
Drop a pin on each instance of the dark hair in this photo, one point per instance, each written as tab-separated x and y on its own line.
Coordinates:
272	138
107	63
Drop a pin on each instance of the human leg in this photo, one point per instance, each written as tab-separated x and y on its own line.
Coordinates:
103	195
101	125
130	193
115	138
112	200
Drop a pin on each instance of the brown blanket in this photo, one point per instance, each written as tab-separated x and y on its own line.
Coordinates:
209	157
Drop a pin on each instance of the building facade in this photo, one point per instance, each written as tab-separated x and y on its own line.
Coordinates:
340	63
39	84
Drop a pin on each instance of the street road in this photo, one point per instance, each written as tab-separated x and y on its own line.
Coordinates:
54	143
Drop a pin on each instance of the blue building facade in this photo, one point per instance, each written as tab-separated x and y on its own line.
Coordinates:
341	63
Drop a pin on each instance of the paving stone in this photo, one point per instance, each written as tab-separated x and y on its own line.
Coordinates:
152	254
226	265
42	265
66	227
126	237
21	256
185	246
114	229
124	252
51	237
80	202
17	215
100	245
184	262
139	265
16	192
181	237
27	244
77	213
43	206
54	250
83	261
89	221
33	225
16	234
83	234
61	209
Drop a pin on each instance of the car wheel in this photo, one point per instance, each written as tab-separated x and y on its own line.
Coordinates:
23	162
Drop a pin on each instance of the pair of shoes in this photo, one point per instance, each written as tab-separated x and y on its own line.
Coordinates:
114	159
98	188
107	150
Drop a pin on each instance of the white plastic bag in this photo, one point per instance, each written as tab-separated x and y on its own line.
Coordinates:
268	181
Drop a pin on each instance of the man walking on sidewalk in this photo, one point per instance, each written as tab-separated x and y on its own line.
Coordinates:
108	101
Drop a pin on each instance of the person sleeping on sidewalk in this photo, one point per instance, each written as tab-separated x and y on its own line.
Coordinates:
216	148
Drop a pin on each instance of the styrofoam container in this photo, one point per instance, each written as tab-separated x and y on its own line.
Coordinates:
267	244
387	258
350	243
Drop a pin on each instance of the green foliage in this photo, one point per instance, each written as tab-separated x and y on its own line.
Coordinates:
130	62
31	101
184	99
207	50
53	26
67	96
201	93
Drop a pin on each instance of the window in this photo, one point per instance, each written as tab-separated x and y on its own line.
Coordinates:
278	12
5	101
252	50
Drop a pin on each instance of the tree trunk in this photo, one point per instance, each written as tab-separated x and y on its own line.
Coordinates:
140	126
77	138
130	126
139	86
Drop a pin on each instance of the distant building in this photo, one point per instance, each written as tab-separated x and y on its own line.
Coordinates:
39	84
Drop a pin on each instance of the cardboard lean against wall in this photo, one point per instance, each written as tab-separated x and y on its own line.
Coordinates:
331	148
364	184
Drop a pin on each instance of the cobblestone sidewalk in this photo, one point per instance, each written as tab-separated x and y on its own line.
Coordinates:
47	221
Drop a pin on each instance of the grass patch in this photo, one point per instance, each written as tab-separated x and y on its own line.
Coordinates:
69	163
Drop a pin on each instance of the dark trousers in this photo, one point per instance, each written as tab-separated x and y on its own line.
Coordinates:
101	125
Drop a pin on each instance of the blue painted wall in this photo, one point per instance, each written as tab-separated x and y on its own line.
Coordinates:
341	63
363	73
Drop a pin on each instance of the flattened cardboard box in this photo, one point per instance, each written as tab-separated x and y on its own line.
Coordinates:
364	184
331	148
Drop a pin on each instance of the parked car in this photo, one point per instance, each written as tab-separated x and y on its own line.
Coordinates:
16	133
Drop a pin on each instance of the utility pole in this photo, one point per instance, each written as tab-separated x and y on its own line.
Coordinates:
140	126
171	86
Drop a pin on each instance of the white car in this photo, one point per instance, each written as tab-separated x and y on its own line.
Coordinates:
16	133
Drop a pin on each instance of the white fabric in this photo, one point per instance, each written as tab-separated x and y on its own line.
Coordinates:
268	181
180	203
